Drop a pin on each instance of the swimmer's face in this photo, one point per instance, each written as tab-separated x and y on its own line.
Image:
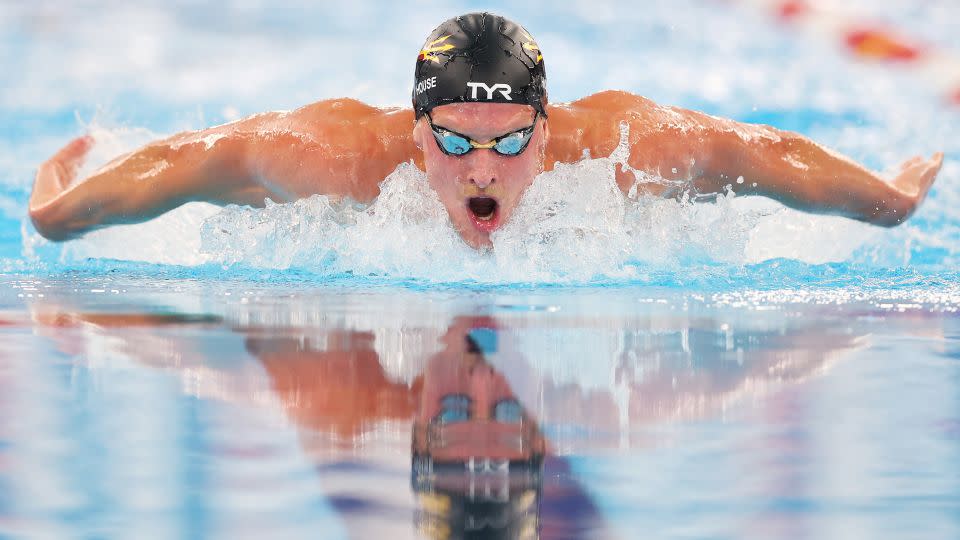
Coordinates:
467	408
481	189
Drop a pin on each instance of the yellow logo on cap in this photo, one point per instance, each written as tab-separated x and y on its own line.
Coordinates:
532	46
430	50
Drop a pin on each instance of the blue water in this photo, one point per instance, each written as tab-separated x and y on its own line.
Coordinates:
735	370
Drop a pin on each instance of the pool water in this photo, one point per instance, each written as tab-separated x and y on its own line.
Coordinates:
613	369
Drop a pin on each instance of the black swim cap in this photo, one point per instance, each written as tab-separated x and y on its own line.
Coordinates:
479	57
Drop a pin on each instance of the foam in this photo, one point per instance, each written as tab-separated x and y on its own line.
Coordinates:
572	225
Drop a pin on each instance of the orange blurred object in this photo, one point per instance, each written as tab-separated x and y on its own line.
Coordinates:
878	45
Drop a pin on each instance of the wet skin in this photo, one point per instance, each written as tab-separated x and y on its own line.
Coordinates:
481	173
344	148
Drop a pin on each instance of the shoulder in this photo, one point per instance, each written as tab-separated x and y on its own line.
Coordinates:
339	109
349	120
607	102
645	116
593	122
606	111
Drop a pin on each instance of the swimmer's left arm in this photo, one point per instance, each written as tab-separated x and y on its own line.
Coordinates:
713	153
683	150
804	175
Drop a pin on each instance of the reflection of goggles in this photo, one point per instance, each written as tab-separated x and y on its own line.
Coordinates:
455	144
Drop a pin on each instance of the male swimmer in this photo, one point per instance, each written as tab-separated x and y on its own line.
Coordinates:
482	131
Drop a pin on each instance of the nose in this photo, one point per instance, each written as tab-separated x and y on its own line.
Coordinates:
482	181
481	390
483	165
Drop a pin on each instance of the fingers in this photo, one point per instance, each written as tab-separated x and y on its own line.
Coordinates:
63	166
921	166
55	174
911	185
73	153
933	166
928	174
79	144
938	160
910	162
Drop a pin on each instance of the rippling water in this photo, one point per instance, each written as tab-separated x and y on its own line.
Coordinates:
242	409
725	370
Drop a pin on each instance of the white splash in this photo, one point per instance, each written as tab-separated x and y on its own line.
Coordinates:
572	225
111	141
211	139
795	162
161	166
405	232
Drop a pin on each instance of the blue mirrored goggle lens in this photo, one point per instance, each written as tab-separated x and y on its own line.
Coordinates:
508	412
454	144
454	408
452	416
512	144
457	145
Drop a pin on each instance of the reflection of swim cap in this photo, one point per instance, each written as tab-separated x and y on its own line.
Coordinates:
479	57
483	512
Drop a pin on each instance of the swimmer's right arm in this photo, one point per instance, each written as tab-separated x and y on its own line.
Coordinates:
335	147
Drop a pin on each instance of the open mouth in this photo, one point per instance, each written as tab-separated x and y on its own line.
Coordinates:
483	208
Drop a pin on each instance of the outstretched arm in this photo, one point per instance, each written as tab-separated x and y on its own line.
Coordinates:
336	147
698	152
804	175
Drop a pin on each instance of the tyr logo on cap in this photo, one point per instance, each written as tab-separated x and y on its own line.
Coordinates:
504	89
475	47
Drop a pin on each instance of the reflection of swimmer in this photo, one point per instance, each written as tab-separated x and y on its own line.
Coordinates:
467	408
482	134
476	455
478	459
331	381
339	387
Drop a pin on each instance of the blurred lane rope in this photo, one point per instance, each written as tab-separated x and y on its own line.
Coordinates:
869	40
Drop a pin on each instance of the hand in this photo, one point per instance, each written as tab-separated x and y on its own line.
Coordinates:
916	176
910	187
53	178
57	173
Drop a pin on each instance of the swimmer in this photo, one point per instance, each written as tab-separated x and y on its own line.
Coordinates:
482	130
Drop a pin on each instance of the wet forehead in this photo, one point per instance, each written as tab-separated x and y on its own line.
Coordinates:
483	121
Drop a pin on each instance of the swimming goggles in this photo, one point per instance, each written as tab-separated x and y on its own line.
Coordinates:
455	144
